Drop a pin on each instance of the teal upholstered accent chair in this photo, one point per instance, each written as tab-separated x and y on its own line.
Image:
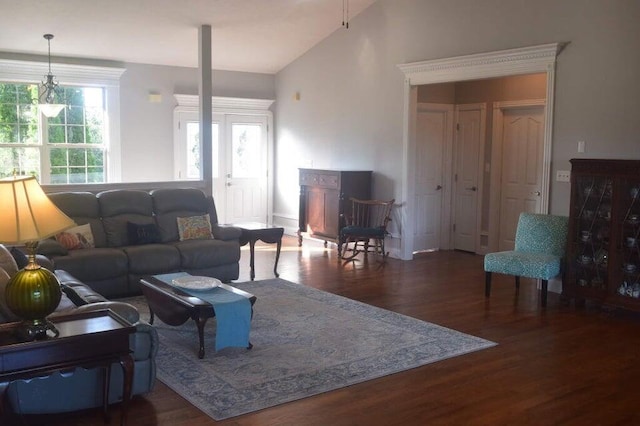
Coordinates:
539	252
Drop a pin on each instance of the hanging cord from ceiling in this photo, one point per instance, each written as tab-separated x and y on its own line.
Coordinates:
345	13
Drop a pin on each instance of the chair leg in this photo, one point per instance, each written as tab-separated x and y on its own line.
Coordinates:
487	284
543	295
517	283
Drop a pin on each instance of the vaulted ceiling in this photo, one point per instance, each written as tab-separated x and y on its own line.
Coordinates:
247	35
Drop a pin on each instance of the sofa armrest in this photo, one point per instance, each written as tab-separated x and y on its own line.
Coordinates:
144	341
225	233
125	310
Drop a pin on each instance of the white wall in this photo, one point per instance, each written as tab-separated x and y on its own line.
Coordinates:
349	115
147	128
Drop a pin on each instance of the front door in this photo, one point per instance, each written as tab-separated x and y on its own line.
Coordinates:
239	164
522	152
245	169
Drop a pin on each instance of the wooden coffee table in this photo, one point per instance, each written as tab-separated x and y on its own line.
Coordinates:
174	307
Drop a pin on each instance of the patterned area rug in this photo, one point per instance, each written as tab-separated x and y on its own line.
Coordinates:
305	342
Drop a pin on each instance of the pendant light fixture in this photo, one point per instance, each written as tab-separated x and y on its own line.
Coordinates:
345	13
49	90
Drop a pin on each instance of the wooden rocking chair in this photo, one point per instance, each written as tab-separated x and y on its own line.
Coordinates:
368	221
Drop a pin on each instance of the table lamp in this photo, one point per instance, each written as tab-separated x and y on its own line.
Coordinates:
26	216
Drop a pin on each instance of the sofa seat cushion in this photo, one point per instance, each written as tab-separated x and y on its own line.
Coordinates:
94	264
202	254
151	259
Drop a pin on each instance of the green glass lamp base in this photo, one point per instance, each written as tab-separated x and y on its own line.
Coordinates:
32	294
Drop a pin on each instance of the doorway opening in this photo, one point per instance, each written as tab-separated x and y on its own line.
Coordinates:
494	145
528	60
242	151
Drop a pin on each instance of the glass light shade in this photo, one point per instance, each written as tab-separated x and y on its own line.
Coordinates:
51	110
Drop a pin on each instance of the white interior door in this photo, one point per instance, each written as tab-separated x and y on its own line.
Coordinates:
522	131
433	135
468	156
245	169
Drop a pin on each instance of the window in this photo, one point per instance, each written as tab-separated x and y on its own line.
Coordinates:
75	146
65	149
18	130
76	138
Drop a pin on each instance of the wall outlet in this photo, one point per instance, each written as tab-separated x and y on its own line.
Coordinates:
563	176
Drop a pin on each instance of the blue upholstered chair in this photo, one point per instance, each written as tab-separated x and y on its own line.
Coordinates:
539	252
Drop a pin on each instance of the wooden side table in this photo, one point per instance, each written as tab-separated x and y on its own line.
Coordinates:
252	232
89	340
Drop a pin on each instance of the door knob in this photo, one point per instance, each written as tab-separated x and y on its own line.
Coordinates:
438	188
473	188
536	193
228	183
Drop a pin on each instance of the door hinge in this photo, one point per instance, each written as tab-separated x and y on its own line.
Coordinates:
457	126
179	123
455	177
454	227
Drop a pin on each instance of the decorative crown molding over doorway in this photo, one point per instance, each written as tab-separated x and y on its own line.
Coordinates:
526	60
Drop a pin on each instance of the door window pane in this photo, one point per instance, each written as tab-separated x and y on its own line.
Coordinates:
246	144
194	164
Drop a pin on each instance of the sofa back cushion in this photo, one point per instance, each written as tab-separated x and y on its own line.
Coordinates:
170	204
83	208
121	206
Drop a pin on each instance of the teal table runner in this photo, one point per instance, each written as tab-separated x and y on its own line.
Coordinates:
233	312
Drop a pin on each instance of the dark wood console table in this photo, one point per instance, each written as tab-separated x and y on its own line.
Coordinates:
324	196
252	232
89	340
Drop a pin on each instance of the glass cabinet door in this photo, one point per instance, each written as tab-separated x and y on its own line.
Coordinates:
627	274
592	239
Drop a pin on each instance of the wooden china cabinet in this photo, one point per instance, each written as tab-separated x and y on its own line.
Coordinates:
603	257
324	200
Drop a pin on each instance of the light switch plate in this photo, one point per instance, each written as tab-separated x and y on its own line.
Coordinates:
563	176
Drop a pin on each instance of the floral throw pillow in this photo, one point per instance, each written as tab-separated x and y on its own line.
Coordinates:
78	237
194	228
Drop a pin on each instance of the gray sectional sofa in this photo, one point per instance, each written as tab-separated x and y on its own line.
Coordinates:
114	266
83	388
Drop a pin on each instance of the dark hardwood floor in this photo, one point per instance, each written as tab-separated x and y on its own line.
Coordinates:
561	365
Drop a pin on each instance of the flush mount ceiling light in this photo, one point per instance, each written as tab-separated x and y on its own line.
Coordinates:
49	90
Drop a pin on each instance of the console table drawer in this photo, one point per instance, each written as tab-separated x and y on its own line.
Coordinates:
308	179
329	181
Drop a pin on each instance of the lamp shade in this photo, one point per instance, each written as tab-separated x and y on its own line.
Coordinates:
26	213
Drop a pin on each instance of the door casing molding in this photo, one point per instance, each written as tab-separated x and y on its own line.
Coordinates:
526	60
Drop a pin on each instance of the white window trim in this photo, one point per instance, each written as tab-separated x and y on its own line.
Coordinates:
84	75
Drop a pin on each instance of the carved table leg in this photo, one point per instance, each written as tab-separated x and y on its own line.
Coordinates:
275	265
126	362
201	322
